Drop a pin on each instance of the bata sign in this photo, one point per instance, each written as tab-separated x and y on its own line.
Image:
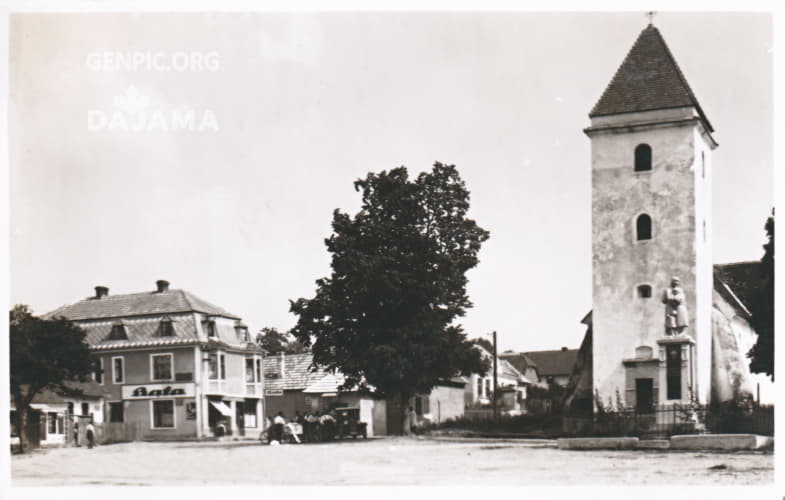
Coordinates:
158	391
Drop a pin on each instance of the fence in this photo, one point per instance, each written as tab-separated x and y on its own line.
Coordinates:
117	432
667	420
478	413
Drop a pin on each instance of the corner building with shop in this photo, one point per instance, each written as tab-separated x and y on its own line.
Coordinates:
173	366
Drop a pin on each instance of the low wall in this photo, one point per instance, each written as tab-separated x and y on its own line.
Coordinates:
725	442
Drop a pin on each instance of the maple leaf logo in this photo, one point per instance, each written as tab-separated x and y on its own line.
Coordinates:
131	101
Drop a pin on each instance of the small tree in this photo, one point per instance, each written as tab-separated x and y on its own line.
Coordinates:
44	354
274	341
484	343
385	316
762	353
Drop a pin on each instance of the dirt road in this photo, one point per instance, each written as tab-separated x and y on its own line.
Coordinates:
397	461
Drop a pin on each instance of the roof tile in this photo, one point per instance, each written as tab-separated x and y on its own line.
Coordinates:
648	79
138	304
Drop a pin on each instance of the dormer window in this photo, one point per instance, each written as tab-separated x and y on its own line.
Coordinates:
242	332
118	332
166	329
209	327
642	158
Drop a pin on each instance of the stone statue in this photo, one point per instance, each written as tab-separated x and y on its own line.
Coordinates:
675	309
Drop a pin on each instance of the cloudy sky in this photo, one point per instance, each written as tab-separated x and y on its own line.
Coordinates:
211	149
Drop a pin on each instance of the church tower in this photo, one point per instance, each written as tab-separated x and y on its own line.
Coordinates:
651	148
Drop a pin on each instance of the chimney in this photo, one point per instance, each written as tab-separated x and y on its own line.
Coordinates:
163	286
101	291
563	349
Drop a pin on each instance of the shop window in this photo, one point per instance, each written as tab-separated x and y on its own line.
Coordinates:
116	412
644	291
118	370
166	328
162	366
163	414
673	371
642	158
118	332
52	423
250	413
643	227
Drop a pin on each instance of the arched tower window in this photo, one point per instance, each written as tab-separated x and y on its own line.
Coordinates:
642	158
643	227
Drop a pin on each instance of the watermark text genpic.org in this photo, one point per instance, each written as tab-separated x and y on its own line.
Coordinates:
148	60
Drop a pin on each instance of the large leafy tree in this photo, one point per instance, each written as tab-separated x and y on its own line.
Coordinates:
385	317
274	341
762	353
44	354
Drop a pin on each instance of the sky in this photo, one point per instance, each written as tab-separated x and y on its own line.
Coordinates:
214	158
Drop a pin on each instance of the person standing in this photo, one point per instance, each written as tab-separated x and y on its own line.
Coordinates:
278	424
90	433
412	421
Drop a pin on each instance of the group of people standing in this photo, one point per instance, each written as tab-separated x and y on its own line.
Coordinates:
90	433
313	427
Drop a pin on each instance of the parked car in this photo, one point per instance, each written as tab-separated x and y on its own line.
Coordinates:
349	423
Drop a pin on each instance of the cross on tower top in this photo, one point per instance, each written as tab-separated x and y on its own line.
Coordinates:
651	15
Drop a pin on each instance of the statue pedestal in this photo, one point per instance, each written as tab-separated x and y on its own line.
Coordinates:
677	369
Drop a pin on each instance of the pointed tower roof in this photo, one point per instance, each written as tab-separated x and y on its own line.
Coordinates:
648	79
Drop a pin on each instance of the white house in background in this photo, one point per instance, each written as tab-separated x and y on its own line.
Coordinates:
511	384
52	416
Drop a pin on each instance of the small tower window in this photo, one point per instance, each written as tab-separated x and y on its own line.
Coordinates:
644	291
703	164
643	227
642	158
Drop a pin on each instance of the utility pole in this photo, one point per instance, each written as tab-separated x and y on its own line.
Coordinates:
495	381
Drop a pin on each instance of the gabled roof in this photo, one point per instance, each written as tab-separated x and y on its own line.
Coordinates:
297	374
554	363
138	304
648	79
519	360
738	282
507	369
329	383
90	390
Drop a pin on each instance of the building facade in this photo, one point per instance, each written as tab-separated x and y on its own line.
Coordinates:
173	366
651	150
